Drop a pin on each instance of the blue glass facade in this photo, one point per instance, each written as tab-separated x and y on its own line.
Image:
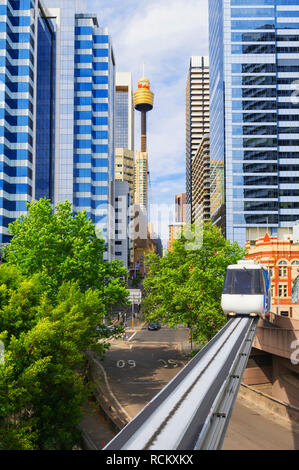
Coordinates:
45	108
93	121
17	51
254	111
56	111
121	119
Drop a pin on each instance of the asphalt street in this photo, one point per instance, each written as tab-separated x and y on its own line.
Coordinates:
138	368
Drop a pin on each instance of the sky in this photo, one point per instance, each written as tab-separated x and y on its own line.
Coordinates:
163	34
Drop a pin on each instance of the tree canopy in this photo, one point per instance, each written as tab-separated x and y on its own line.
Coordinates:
55	290
62	247
184	287
41	386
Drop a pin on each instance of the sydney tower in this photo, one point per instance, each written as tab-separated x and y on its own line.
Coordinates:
143	100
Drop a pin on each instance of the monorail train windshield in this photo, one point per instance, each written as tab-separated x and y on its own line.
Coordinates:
244	282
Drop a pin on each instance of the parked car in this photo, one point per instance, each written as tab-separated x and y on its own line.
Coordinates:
153	326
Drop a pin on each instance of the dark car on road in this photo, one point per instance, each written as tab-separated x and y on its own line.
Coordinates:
153	326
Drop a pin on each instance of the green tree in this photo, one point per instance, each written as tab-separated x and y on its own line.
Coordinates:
41	387
55	290
184	287
62	247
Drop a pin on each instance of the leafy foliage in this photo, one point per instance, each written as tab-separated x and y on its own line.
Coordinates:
55	290
41	390
62	247
184	287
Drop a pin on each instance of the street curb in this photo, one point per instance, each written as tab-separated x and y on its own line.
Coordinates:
105	398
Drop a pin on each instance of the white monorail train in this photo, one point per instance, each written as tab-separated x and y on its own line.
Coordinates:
246	290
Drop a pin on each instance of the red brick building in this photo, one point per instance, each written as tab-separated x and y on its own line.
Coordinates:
282	259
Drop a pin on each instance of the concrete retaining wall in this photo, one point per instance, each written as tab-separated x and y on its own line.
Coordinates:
260	399
104	397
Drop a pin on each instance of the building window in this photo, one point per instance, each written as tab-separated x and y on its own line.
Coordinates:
283	290
272	290
283	270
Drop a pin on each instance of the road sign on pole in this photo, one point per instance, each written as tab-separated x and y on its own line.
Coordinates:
135	296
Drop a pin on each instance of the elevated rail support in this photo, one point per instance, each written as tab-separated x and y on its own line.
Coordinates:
215	427
193	410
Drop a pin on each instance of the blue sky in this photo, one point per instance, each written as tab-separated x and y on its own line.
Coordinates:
164	34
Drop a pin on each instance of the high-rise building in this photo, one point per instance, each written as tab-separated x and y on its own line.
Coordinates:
141	180
197	117
27	108
93	124
201	181
217	200
254	64
124	111
122	222
124	157
125	167
175	229
180	207
124	130
57	112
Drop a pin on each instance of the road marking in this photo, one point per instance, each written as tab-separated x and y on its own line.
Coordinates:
110	391
132	336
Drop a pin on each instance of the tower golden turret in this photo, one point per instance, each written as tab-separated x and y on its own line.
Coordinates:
143	102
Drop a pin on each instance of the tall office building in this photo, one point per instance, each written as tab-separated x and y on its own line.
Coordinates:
124	130
201	181
122	222
124	111
57	128
26	108
94	125
175	229
217	199
124	165
180	207
197	117
254	66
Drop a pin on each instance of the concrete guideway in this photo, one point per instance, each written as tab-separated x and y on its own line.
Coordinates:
188	402
134	385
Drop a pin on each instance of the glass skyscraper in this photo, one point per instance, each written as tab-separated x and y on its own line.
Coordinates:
45	107
124	111
84	116
26	108
197	121
254	65
94	104
57	110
